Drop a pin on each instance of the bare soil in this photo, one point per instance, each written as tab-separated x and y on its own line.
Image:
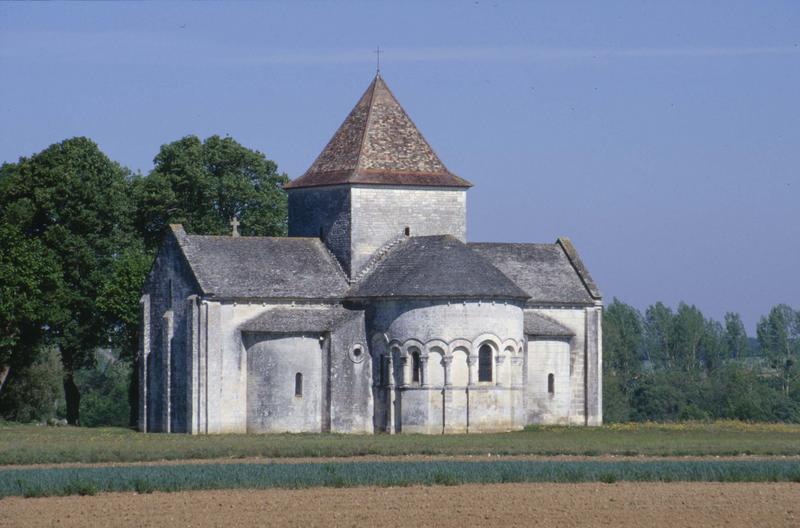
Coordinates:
619	505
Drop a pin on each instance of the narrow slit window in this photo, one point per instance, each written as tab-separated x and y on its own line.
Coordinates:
485	363
415	367
298	385
551	384
407	231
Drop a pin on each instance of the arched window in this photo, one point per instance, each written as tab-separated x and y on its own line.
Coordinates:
407	231
415	367
485	363
298	385
551	384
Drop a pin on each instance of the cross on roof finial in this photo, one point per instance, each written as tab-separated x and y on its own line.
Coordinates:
234	225
378	55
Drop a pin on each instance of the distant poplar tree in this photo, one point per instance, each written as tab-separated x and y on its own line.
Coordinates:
736	336
779	337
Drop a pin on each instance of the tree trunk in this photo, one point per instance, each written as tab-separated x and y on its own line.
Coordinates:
73	398
4	376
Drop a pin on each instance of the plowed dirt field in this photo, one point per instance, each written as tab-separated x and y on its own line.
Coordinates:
619	505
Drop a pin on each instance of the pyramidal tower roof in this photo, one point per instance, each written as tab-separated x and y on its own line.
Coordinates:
378	144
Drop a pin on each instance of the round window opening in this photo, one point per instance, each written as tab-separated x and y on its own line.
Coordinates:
357	354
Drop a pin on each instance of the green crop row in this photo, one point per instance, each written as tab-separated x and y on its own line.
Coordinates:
24	444
143	479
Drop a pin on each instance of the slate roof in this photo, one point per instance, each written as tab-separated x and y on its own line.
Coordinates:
435	266
540	325
378	144
262	267
547	272
299	319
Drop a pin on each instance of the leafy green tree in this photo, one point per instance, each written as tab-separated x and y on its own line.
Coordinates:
119	303
203	184
75	202
713	347
779	337
622	339
29	280
659	397
104	389
736	336
36	393
688	329
658	335
622	362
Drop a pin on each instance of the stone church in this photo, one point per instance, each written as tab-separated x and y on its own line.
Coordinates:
375	314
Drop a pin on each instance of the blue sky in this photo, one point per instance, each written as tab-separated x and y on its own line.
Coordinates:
662	137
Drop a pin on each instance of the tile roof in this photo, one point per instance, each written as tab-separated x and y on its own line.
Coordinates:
299	319
262	267
378	144
541	325
435	266
545	271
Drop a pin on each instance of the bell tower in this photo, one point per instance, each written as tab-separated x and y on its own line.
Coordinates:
376	181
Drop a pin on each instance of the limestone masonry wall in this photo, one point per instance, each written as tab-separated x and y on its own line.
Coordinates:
381	214
325	209
163	363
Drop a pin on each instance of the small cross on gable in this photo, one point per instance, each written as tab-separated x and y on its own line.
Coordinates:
234	226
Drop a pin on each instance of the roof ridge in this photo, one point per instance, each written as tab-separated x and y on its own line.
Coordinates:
184	243
333	257
376	258
577	264
511	244
366	121
413	124
253	237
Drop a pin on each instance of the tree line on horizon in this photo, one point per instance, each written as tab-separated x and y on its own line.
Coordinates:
669	365
79	233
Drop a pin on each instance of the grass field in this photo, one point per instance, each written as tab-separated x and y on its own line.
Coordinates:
27	444
40	482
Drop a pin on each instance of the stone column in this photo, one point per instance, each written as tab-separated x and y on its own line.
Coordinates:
472	362
516	372
193	357
403	381
594	366
446	361
144	356
423	371
213	367
518	408
390	392
498	362
166	350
